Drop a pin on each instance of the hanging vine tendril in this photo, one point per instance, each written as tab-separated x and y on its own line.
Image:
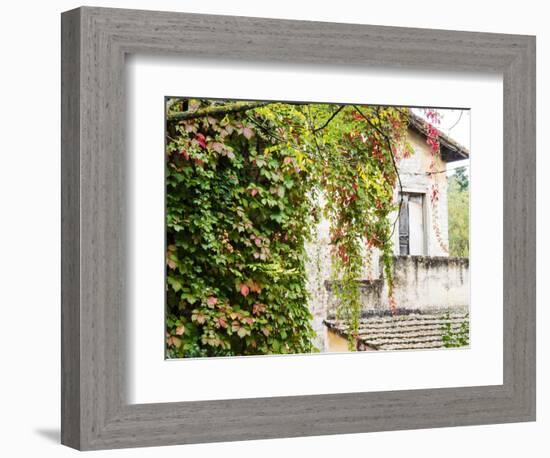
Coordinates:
432	139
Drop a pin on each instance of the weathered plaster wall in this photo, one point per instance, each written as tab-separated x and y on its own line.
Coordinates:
336	343
414	178
428	283
421	283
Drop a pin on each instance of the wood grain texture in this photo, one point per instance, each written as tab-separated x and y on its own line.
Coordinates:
95	412
70	229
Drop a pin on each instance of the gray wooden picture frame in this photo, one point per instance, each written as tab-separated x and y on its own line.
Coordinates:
95	412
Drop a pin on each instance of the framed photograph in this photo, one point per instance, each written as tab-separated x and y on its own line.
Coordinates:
278	228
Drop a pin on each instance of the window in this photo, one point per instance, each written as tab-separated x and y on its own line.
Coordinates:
412	233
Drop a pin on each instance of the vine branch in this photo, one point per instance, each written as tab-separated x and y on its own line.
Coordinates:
386	138
327	122
216	110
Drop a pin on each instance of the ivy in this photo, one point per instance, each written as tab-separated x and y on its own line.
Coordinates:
246	184
458	338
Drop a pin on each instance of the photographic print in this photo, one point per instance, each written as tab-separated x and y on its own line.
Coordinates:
300	227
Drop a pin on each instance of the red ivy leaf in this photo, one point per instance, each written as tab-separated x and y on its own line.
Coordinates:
242	332
244	289
185	154
258	308
434	194
201	140
217	146
254	287
212	301
199	318
175	341
248	133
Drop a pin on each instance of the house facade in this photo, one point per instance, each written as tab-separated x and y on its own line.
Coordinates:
428	284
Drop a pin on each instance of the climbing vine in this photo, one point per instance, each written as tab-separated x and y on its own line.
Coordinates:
247	182
432	139
455	338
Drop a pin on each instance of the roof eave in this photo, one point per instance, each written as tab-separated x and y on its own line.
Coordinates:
451	150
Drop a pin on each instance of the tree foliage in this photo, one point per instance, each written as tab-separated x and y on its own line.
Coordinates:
244	185
461	178
459	214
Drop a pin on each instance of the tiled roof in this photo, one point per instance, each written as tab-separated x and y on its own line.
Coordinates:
401	332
